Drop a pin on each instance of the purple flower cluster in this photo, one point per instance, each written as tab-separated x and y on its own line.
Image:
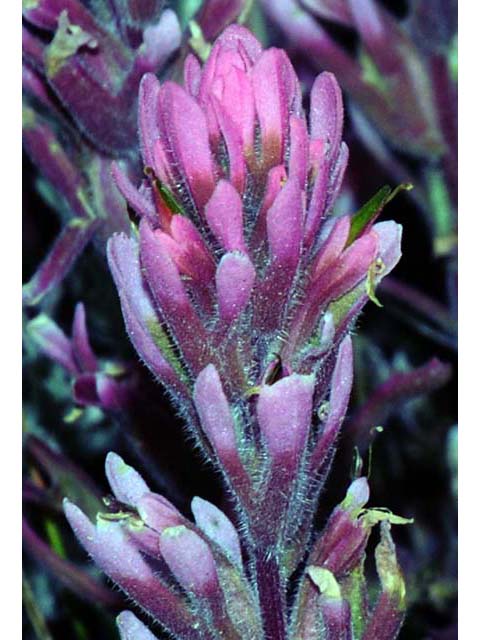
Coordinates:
239	292
80	80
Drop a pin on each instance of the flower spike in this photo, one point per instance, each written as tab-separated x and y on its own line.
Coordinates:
240	292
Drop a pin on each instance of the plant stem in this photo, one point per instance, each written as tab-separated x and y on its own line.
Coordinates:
271	593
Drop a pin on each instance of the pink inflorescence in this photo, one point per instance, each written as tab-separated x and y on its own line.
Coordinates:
238	292
238	262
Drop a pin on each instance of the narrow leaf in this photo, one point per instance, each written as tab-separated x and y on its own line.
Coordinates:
366	216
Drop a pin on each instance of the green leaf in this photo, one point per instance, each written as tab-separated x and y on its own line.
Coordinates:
443	215
55	538
367	213
365	216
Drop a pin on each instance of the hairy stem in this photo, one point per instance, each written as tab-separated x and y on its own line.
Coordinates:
271	594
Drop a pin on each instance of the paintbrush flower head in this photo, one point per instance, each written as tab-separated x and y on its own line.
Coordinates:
239	285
